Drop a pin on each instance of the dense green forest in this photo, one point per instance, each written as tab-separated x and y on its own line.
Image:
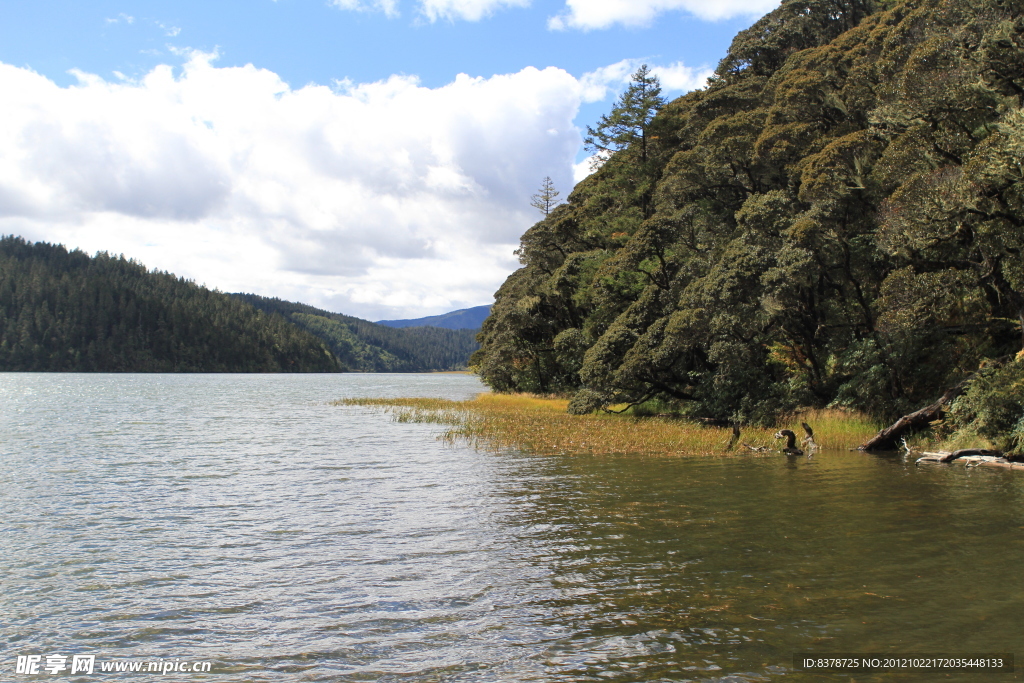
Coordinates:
837	219
462	319
67	311
369	347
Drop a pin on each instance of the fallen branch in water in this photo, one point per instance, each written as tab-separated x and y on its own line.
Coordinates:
972	457
886	439
946	456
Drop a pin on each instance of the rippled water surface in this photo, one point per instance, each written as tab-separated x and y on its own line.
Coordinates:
244	521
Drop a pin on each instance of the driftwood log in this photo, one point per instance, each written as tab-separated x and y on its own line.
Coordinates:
944	456
972	457
1000	464
887	439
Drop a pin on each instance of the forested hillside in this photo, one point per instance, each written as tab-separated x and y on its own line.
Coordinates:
463	319
67	311
369	347
836	219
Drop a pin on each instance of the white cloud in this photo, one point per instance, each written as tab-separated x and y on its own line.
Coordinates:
679	77
128	19
600	83
389	7
470	10
434	10
599	14
585	168
609	80
578	14
383	200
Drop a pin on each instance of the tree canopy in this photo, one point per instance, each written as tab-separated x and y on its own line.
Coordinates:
67	311
363	346
837	219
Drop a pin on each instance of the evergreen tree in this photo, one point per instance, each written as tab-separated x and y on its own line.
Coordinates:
837	219
546	198
66	311
626	134
627	126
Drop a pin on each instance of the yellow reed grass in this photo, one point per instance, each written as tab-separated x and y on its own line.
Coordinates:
540	424
833	427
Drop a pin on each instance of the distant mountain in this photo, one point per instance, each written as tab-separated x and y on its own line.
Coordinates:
64	311
364	346
463	319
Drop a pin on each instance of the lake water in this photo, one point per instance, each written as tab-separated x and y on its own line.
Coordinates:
243	521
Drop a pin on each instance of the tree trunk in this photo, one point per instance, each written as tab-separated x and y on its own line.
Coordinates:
886	439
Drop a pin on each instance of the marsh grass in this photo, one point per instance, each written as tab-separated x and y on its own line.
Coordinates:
833	427
540	424
943	441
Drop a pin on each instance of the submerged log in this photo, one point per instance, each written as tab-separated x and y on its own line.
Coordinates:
947	456
1000	462
965	456
986	460
886	439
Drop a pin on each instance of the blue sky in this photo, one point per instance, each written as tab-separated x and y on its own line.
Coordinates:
327	152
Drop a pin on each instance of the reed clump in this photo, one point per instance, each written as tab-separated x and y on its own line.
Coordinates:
541	424
834	427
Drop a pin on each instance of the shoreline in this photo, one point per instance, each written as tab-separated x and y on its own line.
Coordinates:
493	422
540	423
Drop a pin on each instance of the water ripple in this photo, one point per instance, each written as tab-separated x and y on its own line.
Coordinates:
243	520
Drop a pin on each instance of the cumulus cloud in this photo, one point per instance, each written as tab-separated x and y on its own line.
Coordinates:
599	84
678	76
382	199
434	10
600	14
577	14
584	168
470	10
389	7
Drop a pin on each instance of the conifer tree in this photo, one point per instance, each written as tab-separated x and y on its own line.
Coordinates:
839	222
628	123
546	198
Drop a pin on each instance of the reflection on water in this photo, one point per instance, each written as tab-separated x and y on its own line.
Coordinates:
241	519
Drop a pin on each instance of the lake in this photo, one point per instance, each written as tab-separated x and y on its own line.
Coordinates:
243	523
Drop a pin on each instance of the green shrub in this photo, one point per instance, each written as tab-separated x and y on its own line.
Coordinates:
993	407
